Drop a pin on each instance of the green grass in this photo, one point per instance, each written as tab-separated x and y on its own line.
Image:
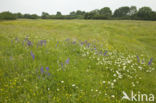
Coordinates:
90	76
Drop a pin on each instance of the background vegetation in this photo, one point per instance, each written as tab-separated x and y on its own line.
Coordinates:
128	13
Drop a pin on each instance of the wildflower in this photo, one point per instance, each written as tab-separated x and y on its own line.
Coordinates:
82	43
61	65
74	42
62	81
88	45
138	59
103	82
29	43
47	68
91	89
133	84
67	39
42	71
149	63
67	61
33	56
105	52
114	80
58	89
57	43
114	75
73	85
112	96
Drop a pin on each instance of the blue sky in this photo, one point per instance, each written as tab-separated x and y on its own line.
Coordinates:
66	6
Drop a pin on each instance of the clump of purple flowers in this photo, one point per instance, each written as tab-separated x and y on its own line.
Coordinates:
57	43
67	61
29	43
47	70
33	56
150	62
138	59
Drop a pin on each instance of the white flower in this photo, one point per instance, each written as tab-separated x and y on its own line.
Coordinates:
114	80
91	89
103	82
58	89
96	90
62	81
114	75
113	96
73	85
48	88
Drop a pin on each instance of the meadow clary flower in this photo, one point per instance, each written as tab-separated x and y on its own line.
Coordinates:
33	56
42	71
149	63
67	61
47	68
74	42
105	52
57	43
29	43
138	59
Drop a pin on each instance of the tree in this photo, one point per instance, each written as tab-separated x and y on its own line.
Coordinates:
19	15
144	13
58	14
106	11
45	15
122	12
7	16
132	10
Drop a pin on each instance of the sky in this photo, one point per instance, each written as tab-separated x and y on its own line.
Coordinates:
66	6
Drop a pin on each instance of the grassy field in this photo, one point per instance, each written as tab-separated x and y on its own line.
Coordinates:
76	61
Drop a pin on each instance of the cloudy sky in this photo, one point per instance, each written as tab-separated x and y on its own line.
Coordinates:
66	6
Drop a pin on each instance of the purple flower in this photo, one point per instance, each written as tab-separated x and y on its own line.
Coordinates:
149	63
67	61
61	64
82	43
33	56
138	59
86	41
105	52
88	45
67	39
29	43
42	71
57	43
74	42
47	68
44	41
100	52
41	42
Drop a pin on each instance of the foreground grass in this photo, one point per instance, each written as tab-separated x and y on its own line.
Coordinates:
75	61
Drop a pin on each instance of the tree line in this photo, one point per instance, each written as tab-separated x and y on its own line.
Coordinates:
122	13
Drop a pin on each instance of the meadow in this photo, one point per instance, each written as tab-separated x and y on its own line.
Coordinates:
76	61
